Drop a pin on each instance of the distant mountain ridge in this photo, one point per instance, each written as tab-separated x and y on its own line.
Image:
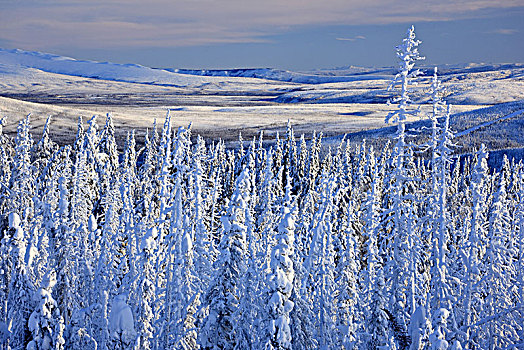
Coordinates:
194	77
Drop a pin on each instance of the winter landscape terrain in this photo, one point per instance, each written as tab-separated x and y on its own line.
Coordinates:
134	215
221	104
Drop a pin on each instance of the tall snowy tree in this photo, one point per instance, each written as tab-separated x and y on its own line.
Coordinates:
21	290
401	211
473	248
45	323
223	293
281	280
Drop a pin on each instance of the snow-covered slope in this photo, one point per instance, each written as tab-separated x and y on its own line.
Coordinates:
282	75
14	60
351	74
498	127
472	84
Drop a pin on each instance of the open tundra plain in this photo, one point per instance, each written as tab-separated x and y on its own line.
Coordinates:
223	103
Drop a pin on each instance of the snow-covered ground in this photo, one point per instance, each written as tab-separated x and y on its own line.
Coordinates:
221	103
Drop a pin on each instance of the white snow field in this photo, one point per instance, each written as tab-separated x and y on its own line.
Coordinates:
222	103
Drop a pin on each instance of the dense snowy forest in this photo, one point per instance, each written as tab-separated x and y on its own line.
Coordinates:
182	244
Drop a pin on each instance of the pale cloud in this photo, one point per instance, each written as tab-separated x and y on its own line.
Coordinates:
46	24
505	31
358	37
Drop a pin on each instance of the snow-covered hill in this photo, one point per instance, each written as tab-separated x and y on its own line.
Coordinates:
282	75
351	74
498	127
12	61
472	84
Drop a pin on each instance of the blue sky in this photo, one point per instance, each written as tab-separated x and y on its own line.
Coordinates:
289	34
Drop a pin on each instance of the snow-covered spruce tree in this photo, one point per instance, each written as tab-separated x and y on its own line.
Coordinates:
44	149
121	325
186	291
347	297
144	312
107	142
499	275
179	302
5	155
401	303
301	316
440	299
79	138
224	291
314	160
45	323
128	224
302	158
431	215
92	167
319	283
163	163
6	267
408	55
290	154
251	279
280	283
380	334
80	211
146	185
215	198
376	328
104	281
79	337
437	339
266	212
472	249
158	211
62	255
111	266
199	232
438	107
22	180
21	290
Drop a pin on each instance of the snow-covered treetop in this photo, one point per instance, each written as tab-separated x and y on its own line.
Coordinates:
408	50
408	54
